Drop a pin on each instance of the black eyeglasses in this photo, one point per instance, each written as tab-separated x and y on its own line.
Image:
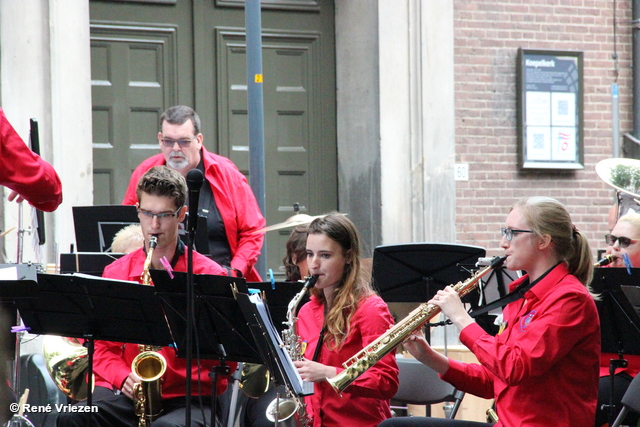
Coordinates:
509	233
624	242
160	216
183	143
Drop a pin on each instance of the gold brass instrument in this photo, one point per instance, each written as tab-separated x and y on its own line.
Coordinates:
255	379
146	276
292	408
149	365
383	345
67	363
608	259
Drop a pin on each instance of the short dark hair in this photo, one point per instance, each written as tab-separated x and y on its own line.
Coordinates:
179	114
296	252
163	181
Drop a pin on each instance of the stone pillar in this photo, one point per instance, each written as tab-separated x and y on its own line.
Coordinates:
46	74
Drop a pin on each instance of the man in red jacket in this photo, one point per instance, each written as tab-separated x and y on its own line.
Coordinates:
25	173
161	208
231	209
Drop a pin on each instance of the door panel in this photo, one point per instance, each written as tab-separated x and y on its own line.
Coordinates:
147	56
131	72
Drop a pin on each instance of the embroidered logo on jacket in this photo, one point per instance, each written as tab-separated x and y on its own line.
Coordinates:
524	322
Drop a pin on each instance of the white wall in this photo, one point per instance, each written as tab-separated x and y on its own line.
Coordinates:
46	74
417	121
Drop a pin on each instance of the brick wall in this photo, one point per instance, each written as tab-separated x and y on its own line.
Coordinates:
487	37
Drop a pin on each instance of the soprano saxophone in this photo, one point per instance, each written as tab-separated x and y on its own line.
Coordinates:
293	405
383	345
149	365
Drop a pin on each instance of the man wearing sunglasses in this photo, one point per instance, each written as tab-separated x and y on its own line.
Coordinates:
228	203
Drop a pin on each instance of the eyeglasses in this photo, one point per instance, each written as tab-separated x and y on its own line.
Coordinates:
161	216
509	233
183	143
624	242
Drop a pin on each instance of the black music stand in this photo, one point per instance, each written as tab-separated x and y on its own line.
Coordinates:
221	327
277	296
95	226
222	331
275	356
415	272
619	320
88	307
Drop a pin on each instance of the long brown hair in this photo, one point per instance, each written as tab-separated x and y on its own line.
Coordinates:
353	287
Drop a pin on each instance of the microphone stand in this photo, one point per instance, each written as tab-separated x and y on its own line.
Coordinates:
194	180
190	313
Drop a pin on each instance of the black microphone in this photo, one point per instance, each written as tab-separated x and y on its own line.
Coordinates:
194	183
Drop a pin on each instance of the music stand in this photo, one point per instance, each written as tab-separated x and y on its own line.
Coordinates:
415	272
619	320
92	263
277	296
88	307
220	326
276	358
95	226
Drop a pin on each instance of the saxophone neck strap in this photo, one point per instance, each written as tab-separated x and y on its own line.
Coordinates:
316	353
515	295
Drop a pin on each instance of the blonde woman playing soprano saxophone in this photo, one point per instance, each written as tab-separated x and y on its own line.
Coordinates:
542	367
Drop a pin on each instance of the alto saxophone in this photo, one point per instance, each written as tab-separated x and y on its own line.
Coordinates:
294	405
149	365
383	345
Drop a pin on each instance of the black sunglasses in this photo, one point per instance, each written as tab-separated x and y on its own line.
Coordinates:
624	242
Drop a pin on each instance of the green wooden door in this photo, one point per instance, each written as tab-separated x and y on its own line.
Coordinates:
147	56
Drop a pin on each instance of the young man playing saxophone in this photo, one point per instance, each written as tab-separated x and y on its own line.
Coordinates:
161	207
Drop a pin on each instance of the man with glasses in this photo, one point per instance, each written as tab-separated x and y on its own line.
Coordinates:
161	194
228	203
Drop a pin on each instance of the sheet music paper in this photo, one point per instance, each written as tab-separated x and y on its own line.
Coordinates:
299	386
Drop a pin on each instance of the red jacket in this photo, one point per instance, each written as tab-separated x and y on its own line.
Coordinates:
365	402
542	369
112	360
235	201
25	172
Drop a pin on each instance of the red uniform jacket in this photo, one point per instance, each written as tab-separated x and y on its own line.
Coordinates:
542	369
365	402
235	201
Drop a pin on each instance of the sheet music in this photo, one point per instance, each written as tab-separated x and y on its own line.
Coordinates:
299	386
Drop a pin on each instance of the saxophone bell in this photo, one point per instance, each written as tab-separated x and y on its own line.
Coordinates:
150	366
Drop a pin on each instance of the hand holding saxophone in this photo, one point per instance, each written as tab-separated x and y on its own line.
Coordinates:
313	371
449	302
128	385
417	345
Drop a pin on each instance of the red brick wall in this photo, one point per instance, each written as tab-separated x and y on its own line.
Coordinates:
487	37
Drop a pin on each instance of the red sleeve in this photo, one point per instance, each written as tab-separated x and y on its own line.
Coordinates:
109	364
130	197
381	381
25	172
240	212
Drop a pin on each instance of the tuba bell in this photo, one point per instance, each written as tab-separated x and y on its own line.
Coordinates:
67	362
